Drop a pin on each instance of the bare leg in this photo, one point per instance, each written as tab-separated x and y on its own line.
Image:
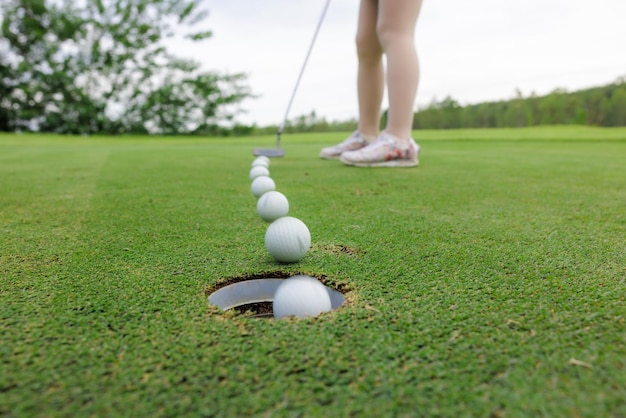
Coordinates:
384	27
396	33
371	74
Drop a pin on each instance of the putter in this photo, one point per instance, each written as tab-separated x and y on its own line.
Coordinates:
278	151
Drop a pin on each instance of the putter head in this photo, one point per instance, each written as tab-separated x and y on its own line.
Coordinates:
269	152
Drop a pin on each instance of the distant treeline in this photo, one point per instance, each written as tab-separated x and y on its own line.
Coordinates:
598	106
304	123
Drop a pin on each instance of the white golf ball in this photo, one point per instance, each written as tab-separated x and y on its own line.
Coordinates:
262	184
272	205
258	171
287	239
263	162
302	297
262	158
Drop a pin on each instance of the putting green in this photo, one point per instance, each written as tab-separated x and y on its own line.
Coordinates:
489	281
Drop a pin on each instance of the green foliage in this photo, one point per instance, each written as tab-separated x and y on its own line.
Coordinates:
100	66
310	122
600	106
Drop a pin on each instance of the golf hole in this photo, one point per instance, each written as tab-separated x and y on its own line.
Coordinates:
253	296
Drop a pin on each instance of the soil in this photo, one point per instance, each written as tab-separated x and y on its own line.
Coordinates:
256	310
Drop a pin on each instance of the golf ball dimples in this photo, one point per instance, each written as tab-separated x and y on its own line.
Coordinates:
272	205
301	296
262	184
287	239
262	162
258	171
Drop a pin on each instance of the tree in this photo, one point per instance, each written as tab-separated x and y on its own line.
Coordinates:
7	113
618	105
101	66
516	113
593	103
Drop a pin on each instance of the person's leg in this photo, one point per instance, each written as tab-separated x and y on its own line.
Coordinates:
395	29
396	33
371	74
370	83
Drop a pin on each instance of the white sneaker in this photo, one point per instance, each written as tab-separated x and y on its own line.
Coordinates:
384	152
353	142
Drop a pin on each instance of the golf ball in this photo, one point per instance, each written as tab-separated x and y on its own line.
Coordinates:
287	239
302	297
258	171
262	158
261	185
272	205
263	162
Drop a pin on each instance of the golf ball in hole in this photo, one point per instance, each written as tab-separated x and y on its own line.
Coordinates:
287	239
262	184
272	205
302	297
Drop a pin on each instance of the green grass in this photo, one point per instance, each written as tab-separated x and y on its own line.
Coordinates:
490	281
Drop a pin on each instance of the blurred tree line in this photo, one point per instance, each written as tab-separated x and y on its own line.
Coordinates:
599	106
307	123
101	66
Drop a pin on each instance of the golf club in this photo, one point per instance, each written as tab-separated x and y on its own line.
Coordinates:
278	151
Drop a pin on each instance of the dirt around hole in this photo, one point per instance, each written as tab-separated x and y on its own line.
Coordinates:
265	309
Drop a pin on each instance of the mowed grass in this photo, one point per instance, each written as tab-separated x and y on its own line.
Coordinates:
490	281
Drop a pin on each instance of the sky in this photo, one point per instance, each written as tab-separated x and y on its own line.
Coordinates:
473	51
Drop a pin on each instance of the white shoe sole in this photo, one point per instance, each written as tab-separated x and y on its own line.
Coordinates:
391	163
